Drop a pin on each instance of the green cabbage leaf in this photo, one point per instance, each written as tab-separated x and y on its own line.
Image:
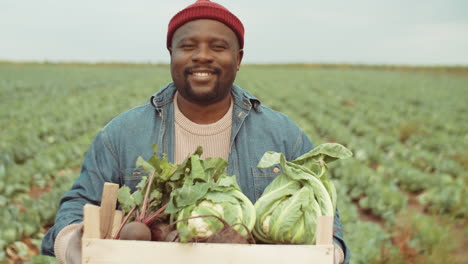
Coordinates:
208	190
289	207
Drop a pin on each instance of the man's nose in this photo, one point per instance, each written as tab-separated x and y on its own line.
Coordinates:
202	54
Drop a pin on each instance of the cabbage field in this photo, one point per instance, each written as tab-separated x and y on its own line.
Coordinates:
402	197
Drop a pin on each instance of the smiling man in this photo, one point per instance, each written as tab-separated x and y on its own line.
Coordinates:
201	107
205	57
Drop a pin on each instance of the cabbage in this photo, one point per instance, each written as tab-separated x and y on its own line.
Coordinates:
207	190
289	207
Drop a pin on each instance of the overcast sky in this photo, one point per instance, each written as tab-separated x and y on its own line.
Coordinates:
425	32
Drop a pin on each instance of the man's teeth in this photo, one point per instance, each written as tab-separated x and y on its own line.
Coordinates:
201	74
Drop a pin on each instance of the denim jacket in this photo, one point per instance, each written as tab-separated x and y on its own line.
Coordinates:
112	155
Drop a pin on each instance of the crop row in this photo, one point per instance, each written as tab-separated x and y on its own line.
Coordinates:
375	134
388	119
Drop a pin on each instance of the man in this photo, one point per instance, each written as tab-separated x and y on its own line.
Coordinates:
201	107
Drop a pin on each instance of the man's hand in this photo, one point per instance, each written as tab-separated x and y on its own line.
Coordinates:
338	253
73	251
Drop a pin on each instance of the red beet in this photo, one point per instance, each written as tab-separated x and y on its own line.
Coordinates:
160	231
226	235
135	231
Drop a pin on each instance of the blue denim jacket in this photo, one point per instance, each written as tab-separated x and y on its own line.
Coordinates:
112	155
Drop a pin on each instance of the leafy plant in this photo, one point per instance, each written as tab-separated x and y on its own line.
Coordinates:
288	209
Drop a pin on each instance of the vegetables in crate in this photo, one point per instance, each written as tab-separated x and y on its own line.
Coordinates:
146	204
207	190
174	194
288	209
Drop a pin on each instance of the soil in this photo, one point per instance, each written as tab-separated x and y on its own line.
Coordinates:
401	237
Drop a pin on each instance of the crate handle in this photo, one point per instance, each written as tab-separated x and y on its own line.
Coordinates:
103	222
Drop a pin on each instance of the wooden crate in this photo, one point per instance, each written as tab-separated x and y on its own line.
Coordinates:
101	223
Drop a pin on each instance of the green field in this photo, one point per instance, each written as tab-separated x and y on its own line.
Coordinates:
402	198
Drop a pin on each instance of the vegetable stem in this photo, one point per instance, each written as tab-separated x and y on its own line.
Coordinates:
148	220
145	201
323	166
125	220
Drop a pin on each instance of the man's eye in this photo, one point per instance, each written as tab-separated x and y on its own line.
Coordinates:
219	47
187	46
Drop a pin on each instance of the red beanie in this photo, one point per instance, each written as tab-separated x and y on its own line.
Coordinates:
209	10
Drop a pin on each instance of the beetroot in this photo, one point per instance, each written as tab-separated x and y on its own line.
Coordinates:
226	235
142	220
173	236
135	231
229	235
160	231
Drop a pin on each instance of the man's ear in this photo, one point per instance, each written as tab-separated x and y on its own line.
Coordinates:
240	55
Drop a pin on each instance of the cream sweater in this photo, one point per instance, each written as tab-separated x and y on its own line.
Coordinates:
214	137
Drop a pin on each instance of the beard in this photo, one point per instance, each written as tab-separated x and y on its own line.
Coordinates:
201	95
211	96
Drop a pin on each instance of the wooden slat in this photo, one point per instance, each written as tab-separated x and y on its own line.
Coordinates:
118	215
324	230
100	251
91	221
108	203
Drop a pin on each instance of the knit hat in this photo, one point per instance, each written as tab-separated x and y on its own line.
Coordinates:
209	10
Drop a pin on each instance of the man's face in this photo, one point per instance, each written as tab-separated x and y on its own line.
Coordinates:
205	58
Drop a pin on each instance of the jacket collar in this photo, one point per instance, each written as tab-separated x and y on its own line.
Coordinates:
242	98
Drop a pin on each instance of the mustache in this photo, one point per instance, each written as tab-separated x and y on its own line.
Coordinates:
190	69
